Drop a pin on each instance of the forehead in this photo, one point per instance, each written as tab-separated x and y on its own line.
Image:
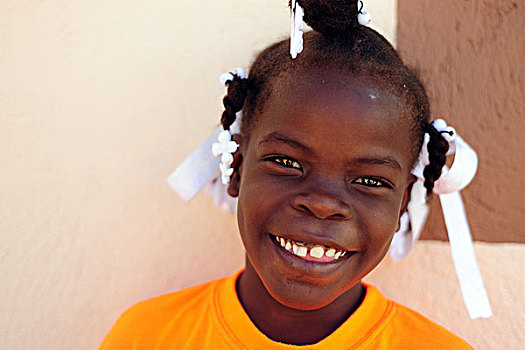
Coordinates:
330	111
327	86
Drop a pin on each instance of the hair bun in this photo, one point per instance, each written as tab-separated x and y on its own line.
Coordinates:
330	17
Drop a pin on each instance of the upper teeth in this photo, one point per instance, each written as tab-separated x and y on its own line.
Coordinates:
330	252
302	249
317	252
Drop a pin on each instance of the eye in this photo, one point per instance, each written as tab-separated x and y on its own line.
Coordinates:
287	162
371	182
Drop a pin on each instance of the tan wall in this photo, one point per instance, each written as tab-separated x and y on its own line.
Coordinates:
99	101
470	54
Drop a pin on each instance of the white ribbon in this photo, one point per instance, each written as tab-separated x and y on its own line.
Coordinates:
467	270
447	187
201	169
296	29
196	170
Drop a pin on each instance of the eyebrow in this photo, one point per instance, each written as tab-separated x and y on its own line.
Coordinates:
388	161
279	138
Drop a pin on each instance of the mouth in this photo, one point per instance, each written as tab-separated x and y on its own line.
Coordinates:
310	251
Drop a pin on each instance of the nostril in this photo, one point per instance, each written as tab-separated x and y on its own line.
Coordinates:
304	208
322	206
338	216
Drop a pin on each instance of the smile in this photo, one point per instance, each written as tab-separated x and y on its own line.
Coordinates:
310	251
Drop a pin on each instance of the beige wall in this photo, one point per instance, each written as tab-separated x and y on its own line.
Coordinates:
99	101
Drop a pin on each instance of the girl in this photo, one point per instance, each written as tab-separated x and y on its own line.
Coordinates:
323	175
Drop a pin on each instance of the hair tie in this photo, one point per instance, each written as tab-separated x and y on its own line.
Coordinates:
225	147
363	17
227	77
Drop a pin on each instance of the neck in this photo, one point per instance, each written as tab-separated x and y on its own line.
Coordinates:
292	326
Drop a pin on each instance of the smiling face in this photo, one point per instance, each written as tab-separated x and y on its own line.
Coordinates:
326	167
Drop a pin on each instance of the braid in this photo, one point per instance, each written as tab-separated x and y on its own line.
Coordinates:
234	100
437	156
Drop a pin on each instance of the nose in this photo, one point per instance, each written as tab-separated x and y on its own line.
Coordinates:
322	204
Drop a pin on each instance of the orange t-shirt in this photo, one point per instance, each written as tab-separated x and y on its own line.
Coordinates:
210	316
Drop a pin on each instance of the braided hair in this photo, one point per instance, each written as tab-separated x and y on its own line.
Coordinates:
338	41
234	100
437	155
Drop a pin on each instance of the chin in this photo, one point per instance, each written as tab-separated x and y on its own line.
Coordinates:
304	296
305	304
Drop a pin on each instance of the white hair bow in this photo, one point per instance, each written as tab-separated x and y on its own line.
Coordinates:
203	169
447	187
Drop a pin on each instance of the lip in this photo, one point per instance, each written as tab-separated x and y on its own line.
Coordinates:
308	267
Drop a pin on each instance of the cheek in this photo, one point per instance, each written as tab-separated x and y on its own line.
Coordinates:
259	191
254	206
378	221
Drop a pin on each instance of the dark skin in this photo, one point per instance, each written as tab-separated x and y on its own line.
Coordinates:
344	184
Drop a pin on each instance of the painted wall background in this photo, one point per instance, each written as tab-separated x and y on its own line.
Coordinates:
99	101
470	58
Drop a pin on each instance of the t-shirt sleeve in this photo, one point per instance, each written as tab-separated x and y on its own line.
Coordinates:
417	331
144	325
126	331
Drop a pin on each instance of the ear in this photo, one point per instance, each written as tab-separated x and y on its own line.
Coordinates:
235	179
406	199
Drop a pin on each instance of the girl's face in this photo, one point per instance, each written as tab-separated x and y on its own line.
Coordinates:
327	164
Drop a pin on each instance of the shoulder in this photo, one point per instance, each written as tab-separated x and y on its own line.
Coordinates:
146	320
418	330
170	302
